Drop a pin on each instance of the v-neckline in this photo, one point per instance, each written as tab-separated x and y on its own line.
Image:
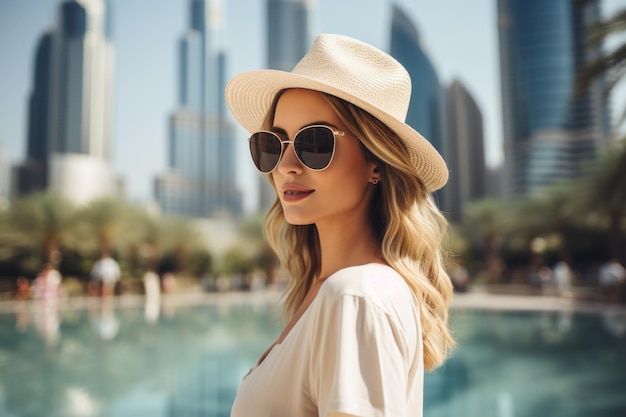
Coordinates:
274	346
287	336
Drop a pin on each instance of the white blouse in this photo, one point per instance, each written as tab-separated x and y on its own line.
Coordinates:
356	351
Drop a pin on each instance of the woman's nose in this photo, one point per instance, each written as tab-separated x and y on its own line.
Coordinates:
289	163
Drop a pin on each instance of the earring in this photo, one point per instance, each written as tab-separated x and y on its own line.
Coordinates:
374	181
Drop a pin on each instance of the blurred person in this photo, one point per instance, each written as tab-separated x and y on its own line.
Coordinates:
169	287
93	289
46	291
169	283
152	284
22	289
563	275
107	272
152	287
460	278
611	276
356	229
47	284
223	283
257	281
543	278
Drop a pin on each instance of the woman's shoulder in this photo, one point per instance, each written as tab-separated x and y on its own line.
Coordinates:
375	283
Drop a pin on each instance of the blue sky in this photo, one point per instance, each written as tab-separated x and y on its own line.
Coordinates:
460	37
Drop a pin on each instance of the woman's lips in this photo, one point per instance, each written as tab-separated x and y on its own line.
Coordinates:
295	192
292	196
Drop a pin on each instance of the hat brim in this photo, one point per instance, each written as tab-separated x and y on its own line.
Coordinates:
250	96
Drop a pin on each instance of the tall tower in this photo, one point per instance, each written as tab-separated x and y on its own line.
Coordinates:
426	106
82	63
548	134
287	32
201	181
464	151
32	174
70	107
288	39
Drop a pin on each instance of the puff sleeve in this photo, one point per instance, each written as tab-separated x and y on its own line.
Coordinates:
361	360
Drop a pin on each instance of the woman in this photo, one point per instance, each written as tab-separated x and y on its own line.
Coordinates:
357	231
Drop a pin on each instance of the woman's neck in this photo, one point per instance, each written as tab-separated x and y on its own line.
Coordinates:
347	244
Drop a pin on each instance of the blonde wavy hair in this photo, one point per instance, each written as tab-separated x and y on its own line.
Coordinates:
405	219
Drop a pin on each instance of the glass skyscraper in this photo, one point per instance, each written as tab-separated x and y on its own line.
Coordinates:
287	32
288	39
425	109
465	154
70	107
83	59
548	133
201	181
32	175
426	106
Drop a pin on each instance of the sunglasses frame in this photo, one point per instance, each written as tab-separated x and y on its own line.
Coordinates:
293	144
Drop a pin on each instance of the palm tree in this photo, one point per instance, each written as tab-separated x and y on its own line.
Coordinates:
484	222
556	207
604	193
606	188
42	224
179	239
610	64
252	233
102	219
527	220
142	238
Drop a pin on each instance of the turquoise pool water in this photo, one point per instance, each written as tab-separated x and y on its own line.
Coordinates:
187	360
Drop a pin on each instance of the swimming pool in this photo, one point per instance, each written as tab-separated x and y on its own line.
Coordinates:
185	359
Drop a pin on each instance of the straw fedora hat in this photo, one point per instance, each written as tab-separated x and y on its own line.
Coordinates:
353	71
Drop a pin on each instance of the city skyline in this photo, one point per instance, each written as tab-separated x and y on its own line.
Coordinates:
70	107
201	177
548	137
460	39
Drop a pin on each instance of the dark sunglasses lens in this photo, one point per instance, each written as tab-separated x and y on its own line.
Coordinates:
265	150
314	146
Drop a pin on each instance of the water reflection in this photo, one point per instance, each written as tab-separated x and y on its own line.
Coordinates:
614	321
112	361
106	360
103	319
530	364
47	320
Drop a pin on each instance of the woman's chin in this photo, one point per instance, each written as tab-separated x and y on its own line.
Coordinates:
298	223
297	220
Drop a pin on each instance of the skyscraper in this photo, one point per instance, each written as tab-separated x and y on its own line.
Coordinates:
288	39
548	134
70	108
201	153
287	32
426	106
464	151
32	174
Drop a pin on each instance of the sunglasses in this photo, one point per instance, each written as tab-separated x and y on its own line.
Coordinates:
314	147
